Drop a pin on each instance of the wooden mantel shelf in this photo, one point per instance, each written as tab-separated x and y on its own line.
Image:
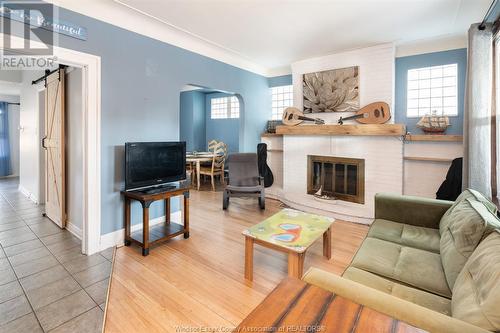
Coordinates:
358	130
263	135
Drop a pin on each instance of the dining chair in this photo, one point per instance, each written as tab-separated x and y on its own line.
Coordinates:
217	166
212	144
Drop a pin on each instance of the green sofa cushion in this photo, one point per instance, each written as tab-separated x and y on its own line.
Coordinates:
417	296
418	268
476	294
406	234
465	224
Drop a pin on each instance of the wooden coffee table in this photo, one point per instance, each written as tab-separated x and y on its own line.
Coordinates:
295	306
290	231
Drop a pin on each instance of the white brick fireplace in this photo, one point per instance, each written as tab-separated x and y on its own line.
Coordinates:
391	165
383	157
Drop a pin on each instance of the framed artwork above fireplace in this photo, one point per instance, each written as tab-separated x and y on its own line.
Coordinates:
335	90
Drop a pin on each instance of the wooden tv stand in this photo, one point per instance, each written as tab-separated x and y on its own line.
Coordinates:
162	232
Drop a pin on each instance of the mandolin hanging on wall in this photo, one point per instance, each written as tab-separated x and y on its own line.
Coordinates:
293	116
374	113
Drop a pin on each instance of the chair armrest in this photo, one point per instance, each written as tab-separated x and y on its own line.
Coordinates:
392	306
406	209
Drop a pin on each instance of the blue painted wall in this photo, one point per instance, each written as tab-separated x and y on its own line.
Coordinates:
199	124
186	119
140	87
225	130
403	64
192	120
284	80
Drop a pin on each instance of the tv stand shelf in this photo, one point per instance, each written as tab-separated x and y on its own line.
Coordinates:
159	232
164	231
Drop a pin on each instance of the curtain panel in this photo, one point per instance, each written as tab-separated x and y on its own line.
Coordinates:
5	168
478	111
496	118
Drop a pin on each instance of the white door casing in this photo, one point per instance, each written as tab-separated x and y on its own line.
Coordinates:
91	140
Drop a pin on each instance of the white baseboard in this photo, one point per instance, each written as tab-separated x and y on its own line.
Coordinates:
274	193
117	238
28	194
76	231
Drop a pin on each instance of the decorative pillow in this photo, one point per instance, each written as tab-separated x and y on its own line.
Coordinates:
463	226
470	194
484	200
476	294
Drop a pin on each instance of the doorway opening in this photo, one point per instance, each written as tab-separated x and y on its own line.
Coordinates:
209	124
9	126
45	141
208	114
90	66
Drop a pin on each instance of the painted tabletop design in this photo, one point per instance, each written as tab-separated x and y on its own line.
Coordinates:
292	229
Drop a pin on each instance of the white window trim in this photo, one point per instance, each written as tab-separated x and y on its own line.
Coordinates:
286	102
228	101
431	108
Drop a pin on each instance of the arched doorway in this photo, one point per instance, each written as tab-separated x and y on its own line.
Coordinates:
210	114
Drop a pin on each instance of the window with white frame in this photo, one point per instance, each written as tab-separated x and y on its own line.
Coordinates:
234	107
282	97
432	89
225	107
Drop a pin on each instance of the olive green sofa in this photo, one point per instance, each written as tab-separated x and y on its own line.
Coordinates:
431	263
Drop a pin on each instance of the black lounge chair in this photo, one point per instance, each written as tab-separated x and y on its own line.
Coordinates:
244	179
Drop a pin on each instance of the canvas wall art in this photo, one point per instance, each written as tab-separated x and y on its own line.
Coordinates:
335	90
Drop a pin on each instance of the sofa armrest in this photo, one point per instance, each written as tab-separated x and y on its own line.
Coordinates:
392	306
418	211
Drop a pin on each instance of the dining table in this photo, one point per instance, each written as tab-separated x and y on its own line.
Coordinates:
196	158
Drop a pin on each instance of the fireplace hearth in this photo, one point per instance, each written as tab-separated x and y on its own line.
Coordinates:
339	178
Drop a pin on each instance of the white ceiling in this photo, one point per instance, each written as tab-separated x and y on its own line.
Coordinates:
275	33
266	36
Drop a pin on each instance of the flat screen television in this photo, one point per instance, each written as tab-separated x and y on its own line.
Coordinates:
149	164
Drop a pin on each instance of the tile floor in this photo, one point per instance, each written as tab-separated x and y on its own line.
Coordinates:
46	284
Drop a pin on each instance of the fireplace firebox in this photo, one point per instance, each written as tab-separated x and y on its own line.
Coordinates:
338	178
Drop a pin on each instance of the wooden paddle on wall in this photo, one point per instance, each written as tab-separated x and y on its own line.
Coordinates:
374	113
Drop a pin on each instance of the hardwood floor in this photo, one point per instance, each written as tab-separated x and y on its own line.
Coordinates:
198	283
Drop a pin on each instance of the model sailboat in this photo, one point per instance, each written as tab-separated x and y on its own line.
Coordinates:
433	123
319	194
